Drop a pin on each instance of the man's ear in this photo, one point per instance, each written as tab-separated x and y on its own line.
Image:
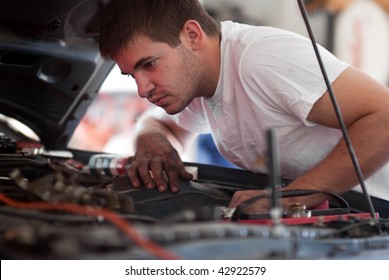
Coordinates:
192	34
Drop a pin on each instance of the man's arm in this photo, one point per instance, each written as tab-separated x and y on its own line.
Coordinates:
364	104
157	144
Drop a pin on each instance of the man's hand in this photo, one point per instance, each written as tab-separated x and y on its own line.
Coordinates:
157	164
261	206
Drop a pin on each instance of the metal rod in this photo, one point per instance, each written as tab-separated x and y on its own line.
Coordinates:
338	113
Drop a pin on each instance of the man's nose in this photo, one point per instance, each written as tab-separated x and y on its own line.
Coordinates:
144	86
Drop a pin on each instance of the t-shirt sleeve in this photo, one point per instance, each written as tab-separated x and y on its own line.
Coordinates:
285	70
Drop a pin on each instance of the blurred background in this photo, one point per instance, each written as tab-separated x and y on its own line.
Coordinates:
356	31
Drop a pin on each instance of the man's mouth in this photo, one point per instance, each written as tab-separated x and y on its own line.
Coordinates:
157	100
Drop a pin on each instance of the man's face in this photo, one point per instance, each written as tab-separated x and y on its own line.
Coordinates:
168	77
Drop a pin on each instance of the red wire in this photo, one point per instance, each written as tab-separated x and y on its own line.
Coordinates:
116	220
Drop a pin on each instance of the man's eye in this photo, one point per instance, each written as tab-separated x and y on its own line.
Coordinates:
149	64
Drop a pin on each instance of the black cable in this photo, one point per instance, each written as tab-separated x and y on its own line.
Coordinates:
338	114
239	209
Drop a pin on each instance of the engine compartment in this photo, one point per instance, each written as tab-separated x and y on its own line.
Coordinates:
59	208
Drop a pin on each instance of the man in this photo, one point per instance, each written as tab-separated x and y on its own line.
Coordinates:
237	82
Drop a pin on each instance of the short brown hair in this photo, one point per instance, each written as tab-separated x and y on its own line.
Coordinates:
160	20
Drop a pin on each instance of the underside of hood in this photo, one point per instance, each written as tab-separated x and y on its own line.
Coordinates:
50	66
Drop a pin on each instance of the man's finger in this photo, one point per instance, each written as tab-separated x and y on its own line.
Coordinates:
144	173
133	175
158	174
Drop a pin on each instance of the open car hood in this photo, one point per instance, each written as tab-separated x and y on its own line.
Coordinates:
50	67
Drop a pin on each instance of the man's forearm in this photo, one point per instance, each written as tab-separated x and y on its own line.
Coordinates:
336	173
149	128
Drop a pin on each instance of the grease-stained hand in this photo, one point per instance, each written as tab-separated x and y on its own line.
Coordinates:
156	164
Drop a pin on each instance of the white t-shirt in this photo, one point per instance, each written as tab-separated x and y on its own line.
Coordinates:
269	78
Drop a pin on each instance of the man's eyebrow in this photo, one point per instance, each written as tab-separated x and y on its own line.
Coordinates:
141	62
138	64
